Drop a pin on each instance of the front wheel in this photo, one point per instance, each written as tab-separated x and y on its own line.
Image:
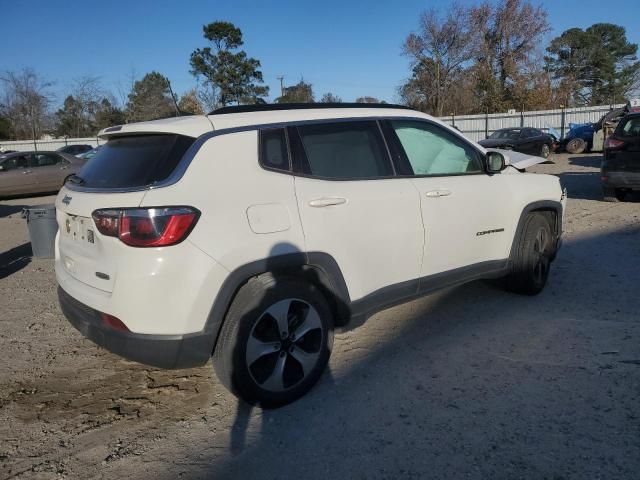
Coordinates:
275	342
533	256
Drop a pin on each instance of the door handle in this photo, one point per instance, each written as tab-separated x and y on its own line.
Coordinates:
327	202
438	193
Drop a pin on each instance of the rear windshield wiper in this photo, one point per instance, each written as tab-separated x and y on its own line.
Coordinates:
76	179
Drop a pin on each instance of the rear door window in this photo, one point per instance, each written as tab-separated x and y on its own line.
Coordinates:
631	127
134	161
45	159
345	150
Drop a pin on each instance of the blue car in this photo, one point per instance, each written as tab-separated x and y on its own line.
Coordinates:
579	138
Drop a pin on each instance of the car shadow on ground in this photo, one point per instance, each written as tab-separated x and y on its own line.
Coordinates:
481	367
586	161
588	186
8	210
15	259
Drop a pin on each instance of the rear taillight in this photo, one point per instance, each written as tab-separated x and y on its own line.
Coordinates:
147	227
612	142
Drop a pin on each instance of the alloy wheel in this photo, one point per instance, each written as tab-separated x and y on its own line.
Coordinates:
284	345
540	248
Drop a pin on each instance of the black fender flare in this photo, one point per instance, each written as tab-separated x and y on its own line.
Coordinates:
319	267
542	205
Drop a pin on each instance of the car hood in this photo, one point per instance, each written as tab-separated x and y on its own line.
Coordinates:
496	142
519	160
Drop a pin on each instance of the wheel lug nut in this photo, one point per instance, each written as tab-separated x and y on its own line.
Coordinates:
291	349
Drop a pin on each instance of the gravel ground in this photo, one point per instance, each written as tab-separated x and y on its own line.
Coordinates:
471	382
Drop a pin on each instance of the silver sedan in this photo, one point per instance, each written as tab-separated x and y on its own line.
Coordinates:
36	172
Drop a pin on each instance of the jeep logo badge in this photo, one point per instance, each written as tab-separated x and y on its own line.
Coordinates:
66	200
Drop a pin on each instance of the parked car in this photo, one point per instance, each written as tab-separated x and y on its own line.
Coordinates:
620	170
579	138
250	240
524	140
36	172
89	153
74	149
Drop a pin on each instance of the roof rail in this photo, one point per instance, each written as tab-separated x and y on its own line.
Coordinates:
299	106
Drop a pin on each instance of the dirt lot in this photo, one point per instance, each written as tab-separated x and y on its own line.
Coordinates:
468	383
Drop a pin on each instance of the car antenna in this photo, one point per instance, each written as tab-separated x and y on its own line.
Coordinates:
173	97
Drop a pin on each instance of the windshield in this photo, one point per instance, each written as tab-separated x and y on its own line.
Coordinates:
135	161
505	134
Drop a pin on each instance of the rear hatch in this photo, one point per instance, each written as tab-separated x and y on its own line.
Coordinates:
625	156
117	177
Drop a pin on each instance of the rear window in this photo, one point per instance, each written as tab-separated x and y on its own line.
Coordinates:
630	128
135	161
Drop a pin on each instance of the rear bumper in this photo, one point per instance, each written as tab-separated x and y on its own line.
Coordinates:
164	351
618	179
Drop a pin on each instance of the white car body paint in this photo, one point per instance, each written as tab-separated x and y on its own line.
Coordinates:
380	232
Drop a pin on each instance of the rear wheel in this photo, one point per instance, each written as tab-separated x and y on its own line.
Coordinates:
614	194
576	145
545	150
275	342
532	257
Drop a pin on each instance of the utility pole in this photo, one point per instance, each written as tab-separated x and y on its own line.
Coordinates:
281	78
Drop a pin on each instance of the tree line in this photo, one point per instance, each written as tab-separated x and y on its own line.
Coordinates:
483	58
486	58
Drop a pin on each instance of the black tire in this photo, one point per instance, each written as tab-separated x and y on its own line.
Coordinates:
249	322
613	194
545	150
576	146
532	257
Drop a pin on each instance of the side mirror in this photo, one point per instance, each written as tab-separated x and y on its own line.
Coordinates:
495	162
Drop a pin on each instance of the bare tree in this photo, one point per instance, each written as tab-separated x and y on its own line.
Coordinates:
439	50
124	88
511	33
87	92
27	98
367	99
189	103
330	98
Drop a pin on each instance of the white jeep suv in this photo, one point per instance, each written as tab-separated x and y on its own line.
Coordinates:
248	234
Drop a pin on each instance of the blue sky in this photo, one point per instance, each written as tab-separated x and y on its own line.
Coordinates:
347	47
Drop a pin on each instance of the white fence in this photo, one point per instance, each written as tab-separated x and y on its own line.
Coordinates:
48	145
478	127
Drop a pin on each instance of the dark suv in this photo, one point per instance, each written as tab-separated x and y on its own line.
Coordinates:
621	162
75	149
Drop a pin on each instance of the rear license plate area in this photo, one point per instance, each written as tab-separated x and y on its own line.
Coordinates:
79	229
